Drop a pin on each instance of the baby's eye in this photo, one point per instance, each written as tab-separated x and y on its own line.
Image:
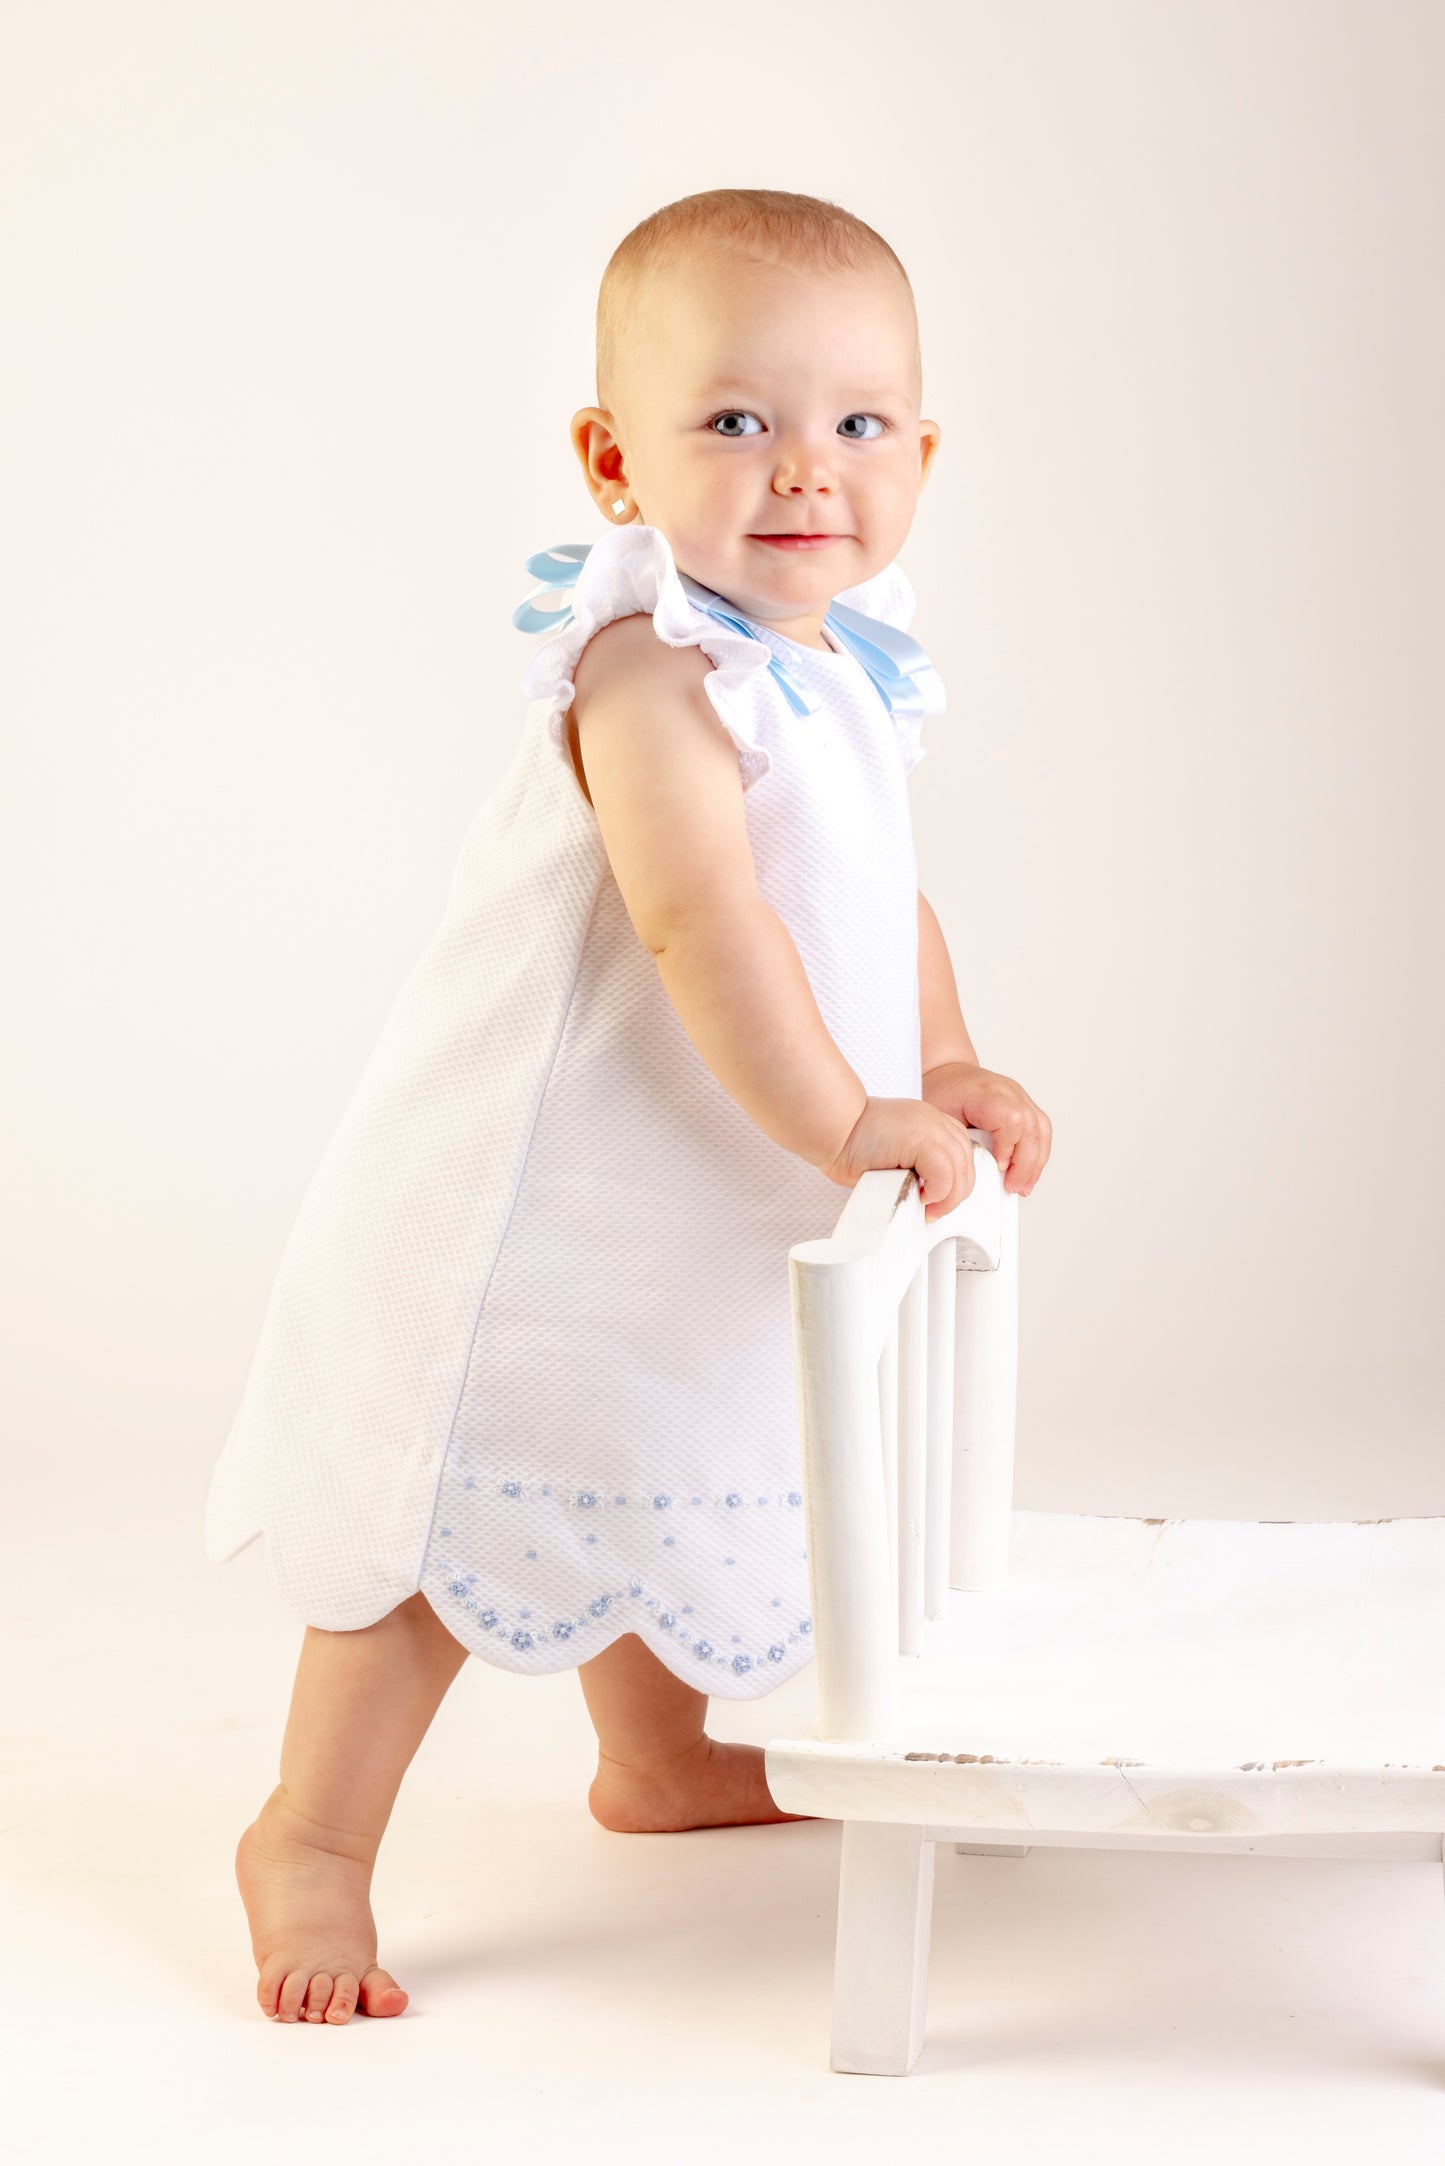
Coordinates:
733	414
853	435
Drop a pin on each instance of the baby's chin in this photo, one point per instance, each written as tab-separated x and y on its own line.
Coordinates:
768	579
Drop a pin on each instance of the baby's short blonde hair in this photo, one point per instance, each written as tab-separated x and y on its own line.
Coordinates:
766	223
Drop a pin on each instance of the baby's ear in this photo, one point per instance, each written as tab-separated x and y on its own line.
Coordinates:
599	454
929	437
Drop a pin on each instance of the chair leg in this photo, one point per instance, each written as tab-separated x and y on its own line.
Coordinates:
880	1974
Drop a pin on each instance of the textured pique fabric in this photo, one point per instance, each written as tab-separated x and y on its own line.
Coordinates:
529	1346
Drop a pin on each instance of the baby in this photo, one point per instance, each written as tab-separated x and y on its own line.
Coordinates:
525	1385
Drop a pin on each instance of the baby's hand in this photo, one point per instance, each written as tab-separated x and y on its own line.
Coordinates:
1022	1132
909	1132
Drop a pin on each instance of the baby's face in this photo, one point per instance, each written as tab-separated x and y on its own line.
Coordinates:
764	401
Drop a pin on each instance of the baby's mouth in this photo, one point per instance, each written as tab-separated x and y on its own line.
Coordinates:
796	541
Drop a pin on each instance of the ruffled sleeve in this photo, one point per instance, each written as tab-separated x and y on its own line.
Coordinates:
630	570
889	596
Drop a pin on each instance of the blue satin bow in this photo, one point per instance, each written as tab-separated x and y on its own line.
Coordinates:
891	658
555	568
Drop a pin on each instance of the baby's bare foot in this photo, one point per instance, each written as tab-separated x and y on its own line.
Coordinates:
307	1895
711	1786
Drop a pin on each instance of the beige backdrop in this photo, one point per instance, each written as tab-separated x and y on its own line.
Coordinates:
296	308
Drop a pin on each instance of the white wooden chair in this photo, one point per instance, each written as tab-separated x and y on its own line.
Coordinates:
1000	1679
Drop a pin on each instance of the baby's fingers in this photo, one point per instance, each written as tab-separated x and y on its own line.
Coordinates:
945	1174
1006	1133
1030	1151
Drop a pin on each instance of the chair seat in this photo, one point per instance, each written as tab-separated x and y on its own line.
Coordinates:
1199	1675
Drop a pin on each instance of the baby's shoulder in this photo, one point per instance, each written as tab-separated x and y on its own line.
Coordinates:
628	676
627	653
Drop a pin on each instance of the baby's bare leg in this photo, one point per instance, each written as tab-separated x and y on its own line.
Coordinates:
658	1773
361	1704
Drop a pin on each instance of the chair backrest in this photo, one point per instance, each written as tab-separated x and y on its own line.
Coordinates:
905	1349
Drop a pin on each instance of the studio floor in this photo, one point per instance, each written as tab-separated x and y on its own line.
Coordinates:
576	1993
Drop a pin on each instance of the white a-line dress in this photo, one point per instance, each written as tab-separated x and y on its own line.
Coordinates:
529	1347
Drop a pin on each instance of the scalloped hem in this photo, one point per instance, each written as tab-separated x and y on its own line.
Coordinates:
717	1672
702	1665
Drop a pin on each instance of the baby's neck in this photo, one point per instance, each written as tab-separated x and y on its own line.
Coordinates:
820	645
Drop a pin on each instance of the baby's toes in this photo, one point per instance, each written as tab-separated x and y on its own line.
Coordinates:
344	1998
318	1994
380	1993
292	1994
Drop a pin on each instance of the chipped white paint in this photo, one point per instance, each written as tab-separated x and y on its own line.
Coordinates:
1082	1681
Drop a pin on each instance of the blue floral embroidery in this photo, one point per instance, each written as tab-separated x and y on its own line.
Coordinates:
588	1498
525	1637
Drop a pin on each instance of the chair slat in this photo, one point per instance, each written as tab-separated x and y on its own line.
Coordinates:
888	1416
942	1315
854	1597
985	1384
912	1336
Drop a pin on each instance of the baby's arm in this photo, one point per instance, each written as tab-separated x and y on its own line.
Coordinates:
944	1035
953	1080
662	774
